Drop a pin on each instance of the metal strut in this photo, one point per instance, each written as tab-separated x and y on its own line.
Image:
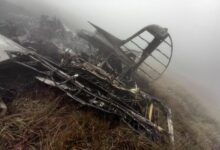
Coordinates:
92	91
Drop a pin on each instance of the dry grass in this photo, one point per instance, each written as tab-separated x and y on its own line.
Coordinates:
44	119
47	122
194	129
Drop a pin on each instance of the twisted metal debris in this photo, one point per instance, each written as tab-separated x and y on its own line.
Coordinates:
109	77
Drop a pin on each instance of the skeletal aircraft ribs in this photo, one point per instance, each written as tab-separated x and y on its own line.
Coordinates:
84	90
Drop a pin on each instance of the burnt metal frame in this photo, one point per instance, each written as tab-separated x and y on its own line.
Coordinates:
141	61
80	88
160	34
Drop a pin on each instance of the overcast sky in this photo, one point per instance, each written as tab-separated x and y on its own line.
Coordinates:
193	24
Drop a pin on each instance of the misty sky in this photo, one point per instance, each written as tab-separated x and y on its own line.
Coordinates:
193	24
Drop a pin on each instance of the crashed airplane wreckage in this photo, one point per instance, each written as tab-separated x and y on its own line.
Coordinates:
108	79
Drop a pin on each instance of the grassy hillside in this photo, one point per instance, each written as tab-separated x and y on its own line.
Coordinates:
46	119
194	128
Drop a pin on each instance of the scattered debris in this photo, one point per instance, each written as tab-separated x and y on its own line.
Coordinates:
107	75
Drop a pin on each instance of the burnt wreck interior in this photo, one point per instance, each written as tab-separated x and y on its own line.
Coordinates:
95	69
